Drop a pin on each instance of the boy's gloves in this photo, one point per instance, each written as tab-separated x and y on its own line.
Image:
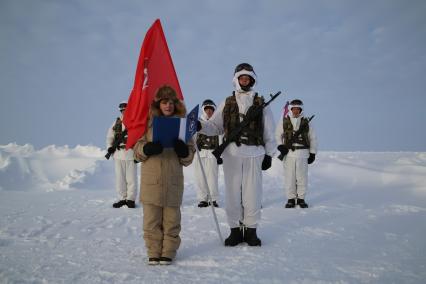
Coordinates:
152	148
219	161
198	125
283	149
311	158
181	149
266	163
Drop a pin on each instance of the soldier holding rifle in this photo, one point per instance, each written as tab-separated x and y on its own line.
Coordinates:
125	167
297	144
248	151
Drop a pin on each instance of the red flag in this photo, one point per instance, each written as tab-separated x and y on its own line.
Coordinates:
155	69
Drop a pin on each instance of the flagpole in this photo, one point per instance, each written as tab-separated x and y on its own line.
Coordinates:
209	196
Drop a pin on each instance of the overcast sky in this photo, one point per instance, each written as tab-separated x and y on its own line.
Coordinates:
359	66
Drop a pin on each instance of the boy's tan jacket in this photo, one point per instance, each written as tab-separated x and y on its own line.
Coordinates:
161	175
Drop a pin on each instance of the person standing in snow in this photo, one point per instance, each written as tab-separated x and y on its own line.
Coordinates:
245	158
125	167
206	144
162	181
298	146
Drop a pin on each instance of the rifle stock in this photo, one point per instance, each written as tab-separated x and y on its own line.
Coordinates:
219	150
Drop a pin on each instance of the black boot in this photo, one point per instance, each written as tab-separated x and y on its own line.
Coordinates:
235	237
214	203
130	203
203	204
302	203
250	237
291	203
119	204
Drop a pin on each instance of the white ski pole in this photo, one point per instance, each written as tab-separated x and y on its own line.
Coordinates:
209	195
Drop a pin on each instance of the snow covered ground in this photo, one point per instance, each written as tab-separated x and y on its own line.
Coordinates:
366	224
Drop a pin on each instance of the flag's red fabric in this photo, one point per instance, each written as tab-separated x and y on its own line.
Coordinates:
155	69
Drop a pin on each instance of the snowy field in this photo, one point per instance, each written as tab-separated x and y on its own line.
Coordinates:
366	224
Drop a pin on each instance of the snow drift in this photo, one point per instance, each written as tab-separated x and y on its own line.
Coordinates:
53	168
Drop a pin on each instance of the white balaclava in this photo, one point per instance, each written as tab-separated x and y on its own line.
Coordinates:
244	69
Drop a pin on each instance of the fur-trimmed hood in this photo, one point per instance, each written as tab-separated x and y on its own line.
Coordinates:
166	93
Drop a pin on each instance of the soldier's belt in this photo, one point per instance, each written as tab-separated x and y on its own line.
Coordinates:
247	141
299	147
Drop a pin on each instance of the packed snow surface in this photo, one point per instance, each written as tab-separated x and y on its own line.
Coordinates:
366	224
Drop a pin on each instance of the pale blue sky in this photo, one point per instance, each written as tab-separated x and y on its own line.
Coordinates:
359	66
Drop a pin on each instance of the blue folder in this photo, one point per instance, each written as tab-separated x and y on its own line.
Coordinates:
167	130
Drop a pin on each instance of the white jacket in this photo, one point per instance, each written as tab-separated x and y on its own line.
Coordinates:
206	153
214	126
299	153
121	154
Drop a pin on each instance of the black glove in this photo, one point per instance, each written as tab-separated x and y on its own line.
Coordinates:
181	149
198	125
283	149
266	163
311	158
152	148
110	150
219	161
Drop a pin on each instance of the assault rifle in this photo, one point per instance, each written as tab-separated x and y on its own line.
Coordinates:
236	131
294	136
118	139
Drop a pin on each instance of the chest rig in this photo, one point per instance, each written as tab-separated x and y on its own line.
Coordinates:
252	134
120	136
302	139
207	142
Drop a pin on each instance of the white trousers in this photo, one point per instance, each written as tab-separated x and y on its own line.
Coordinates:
243	189
211	171
125	179
295	177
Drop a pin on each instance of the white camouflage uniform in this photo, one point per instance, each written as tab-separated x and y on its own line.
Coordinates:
125	168
211	168
242	165
296	162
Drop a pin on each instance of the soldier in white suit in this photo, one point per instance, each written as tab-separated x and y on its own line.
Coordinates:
245	157
206	145
298	146
124	163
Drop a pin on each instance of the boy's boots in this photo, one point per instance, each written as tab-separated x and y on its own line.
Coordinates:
235	237
250	237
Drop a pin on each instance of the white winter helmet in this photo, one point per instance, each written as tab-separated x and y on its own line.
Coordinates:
122	106
296	103
245	69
